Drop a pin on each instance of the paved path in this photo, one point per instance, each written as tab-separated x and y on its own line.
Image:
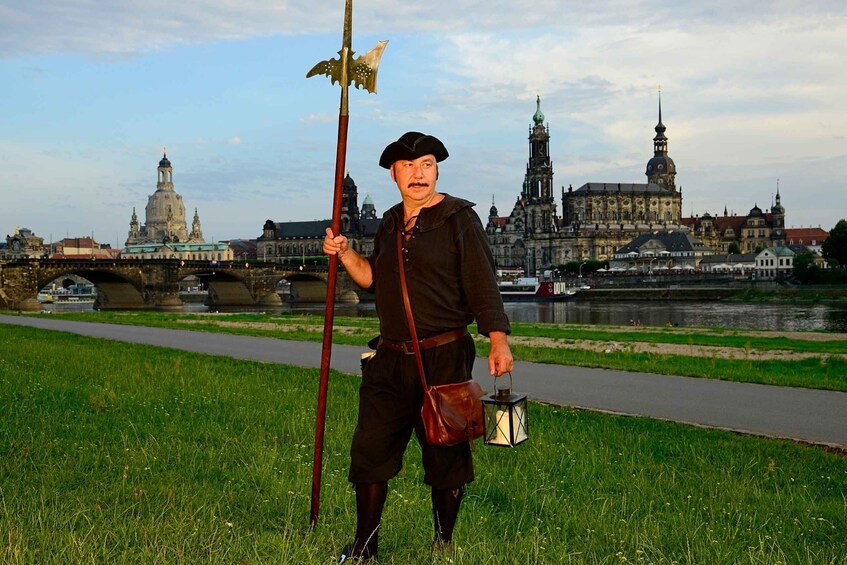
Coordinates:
814	416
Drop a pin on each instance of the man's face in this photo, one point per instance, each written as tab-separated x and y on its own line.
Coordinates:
416	179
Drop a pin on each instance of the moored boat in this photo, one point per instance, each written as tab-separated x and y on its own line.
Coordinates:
76	293
533	288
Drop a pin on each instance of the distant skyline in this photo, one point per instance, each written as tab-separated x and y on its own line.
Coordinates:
752	92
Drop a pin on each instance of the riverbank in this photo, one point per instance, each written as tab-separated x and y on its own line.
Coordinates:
736	293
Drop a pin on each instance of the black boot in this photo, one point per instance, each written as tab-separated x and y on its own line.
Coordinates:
445	510
370	499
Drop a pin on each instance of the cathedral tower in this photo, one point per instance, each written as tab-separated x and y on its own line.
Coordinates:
538	182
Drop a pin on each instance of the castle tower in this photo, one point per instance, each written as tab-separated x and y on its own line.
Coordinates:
661	169
368	208
349	206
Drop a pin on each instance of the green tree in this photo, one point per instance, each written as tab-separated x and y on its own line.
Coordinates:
805	269
834	247
734	248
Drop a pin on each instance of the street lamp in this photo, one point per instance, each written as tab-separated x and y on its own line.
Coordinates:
580	268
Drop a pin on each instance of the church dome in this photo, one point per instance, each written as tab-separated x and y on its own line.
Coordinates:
660	164
368	200
164	163
755	212
164	203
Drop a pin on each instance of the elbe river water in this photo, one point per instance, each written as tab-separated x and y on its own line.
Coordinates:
774	315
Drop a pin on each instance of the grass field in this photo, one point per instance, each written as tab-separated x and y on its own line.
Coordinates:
122	453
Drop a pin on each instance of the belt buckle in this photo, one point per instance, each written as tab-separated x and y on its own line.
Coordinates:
406	350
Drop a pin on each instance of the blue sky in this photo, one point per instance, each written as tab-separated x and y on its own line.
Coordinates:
752	92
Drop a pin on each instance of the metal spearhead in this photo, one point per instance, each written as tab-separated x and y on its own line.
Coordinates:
360	70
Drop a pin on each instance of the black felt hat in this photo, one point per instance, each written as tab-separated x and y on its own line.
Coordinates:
411	146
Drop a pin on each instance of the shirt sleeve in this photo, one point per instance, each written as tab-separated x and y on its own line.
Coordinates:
477	274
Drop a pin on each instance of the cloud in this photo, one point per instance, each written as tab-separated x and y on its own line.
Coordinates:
234	140
137	26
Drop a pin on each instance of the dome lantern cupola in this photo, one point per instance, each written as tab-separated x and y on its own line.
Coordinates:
538	117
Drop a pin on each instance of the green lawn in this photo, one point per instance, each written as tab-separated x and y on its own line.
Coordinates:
113	452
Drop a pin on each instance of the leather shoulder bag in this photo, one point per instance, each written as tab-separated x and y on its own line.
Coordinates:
451	413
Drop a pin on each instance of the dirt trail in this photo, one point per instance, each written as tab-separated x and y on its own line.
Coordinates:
668	349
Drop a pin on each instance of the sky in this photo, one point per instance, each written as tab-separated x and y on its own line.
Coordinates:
753	97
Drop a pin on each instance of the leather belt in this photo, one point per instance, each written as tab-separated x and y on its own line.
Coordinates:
407	347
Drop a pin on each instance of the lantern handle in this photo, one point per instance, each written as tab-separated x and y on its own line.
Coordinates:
497	390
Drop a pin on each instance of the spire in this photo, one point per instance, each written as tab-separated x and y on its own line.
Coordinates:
660	106
660	142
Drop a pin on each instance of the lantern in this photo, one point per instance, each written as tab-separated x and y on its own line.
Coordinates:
505	417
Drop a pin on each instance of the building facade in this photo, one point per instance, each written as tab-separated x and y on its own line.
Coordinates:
751	233
184	251
23	244
812	238
285	242
775	263
667	251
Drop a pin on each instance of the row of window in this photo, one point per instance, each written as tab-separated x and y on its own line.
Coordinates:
600	217
770	262
186	256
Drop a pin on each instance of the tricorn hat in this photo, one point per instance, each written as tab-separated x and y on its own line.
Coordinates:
411	146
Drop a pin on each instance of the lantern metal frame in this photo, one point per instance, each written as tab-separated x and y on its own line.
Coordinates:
505	417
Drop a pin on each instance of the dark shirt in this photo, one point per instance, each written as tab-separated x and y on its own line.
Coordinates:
449	272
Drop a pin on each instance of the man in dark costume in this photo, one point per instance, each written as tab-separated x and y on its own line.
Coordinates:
450	274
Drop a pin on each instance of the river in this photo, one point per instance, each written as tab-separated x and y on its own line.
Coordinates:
775	315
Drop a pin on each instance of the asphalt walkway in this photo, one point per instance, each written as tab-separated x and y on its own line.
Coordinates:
813	416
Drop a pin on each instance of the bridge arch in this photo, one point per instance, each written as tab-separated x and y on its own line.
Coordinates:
112	287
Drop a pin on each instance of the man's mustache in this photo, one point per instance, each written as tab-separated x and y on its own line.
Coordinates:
419	184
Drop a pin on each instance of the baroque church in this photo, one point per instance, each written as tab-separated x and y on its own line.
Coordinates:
283	242
164	215
165	234
600	218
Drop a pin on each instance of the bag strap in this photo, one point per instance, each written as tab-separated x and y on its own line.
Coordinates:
408	306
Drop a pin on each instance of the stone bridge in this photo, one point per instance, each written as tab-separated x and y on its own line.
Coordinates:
154	283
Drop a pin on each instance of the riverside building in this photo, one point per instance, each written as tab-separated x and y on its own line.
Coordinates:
286	242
